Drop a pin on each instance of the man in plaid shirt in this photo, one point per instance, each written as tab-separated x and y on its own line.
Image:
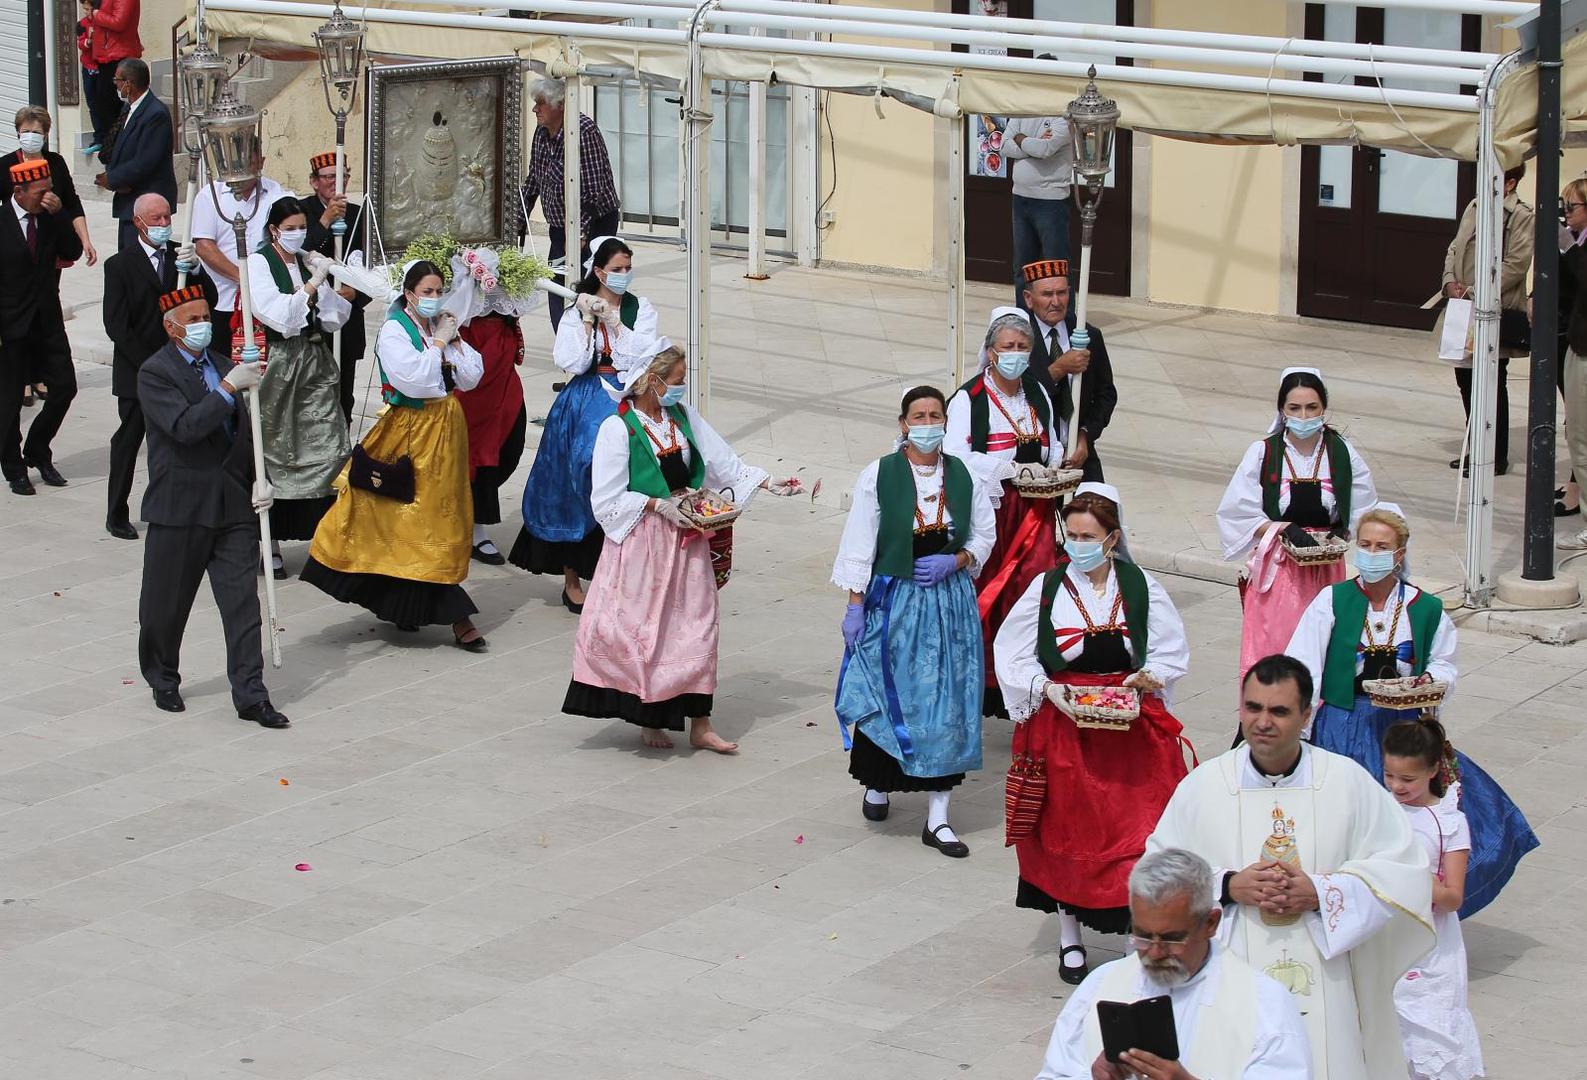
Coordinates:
599	207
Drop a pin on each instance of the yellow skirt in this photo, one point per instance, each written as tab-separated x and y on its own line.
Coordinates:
425	540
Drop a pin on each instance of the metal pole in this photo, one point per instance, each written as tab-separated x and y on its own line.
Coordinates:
756	270
1537	553
196	183
696	131
339	226
955	234
572	225
1485	365
250	354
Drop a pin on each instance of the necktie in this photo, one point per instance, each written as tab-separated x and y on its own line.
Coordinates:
159	266
32	233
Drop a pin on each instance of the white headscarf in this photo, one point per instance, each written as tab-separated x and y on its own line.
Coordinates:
1110	493
1286	373
595	246
628	379
998	313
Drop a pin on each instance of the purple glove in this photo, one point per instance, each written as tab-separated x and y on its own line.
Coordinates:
935	569
853	624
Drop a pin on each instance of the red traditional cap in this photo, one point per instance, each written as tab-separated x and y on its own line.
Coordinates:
1045	268
178	297
321	161
24	172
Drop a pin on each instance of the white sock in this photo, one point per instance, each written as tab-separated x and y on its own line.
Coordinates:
1069	934
876	798
937	814
479	535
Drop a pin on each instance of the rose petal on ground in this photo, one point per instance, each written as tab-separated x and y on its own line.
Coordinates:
302	866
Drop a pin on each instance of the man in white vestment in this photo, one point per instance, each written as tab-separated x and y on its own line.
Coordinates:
1321	880
1231	1021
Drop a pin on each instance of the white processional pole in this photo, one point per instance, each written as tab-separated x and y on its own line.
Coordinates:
1093	121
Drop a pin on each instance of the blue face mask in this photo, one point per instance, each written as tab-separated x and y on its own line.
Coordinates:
196	336
428	306
159	235
927	437
1374	565
1011	365
1304	427
1087	555
618	281
673	393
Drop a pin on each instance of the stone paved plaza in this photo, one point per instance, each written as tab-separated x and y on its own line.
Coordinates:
491	889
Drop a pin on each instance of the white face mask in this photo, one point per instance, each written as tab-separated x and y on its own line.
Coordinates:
291	240
31	141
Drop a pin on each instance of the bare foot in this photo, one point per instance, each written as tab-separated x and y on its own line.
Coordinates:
655	738
703	737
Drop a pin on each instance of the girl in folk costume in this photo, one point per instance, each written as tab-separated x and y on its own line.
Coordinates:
1380	626
919	528
1441	1041
615	333
998	421
1097	621
646	646
397	539
494	409
1303	475
300	409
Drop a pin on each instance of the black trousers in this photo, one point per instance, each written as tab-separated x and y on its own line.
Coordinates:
107	104
605	225
124	445
488	479
39	356
175	558
220	323
1501	422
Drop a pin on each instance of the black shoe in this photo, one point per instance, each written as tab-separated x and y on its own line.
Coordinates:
47	472
169	701
489	558
1561	510
1069	973
874	811
23	486
558	387
277	572
567	602
264	714
406	628
1501	468
477	645
121	530
953	849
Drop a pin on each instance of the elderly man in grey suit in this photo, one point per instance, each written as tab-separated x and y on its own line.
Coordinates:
201	505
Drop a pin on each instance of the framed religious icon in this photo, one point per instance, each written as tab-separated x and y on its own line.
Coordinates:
444	151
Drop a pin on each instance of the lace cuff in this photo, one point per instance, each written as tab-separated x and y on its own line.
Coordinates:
851	574
621	516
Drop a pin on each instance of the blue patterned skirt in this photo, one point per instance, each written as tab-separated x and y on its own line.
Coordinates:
556	499
1500	834
912	683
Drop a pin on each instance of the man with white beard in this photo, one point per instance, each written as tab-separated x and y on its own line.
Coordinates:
1230	1019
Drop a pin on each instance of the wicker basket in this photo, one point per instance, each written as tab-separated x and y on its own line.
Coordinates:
1405	694
1101	717
1038	482
708	511
1329	549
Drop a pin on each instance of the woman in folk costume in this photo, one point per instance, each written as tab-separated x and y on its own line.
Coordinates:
998	421
494	409
646	647
919	528
1097	621
397	539
616	332
305	433
1302	475
1380	626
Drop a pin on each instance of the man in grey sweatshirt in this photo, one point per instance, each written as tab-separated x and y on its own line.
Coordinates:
1042	167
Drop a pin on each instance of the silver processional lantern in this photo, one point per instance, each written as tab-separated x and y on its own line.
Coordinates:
233	141
1093	122
341	45
204	74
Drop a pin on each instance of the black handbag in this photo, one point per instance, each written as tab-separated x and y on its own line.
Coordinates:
1515	330
388	479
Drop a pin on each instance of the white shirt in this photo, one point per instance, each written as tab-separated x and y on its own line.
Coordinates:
576	344
132	107
1240	513
417	372
288	313
1309	643
22	216
997	463
151	255
208	224
1043	163
1281	1050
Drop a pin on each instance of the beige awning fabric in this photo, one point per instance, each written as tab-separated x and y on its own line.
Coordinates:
1241	117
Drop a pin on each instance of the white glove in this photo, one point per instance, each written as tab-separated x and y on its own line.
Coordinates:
589	304
244	376
785	488
1145	681
446	328
318	275
264	496
186	259
610	316
1055	693
667	510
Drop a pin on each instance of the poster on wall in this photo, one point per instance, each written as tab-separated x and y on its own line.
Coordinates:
985	133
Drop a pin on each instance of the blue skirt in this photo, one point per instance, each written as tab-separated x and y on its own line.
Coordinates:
556	500
1499	832
913	681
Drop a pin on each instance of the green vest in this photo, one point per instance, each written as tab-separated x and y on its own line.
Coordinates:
1137	606
1338	465
388	393
283	282
1350	612
644	468
895	494
981	407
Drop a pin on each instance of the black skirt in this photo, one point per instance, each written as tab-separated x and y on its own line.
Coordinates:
1102	920
604	703
489	478
296	519
992	703
880	771
393	600
538	556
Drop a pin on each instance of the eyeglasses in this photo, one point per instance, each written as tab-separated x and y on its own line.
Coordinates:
1168	942
1569	206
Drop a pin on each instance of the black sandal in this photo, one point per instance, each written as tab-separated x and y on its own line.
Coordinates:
1069	973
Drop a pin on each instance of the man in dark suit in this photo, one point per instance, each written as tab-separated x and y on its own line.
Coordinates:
138	159
324	209
1055	363
135	279
33	242
201	504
